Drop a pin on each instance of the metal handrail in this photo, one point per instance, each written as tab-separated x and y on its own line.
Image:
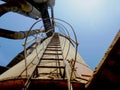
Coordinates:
76	43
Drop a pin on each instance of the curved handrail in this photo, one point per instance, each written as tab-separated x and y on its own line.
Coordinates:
66	33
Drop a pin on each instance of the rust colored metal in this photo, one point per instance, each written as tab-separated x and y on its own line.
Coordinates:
107	74
39	84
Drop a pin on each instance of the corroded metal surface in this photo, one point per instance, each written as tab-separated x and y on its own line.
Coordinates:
107	74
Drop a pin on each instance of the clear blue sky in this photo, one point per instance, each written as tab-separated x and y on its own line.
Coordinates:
96	22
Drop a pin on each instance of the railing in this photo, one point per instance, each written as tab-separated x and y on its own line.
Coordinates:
64	29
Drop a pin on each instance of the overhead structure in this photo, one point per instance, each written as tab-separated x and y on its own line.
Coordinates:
18	35
31	8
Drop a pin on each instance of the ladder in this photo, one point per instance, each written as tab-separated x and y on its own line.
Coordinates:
51	65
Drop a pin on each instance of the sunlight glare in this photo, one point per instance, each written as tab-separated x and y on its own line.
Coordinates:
86	6
89	5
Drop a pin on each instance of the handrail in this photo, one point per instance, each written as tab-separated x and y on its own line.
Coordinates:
29	78
76	43
66	34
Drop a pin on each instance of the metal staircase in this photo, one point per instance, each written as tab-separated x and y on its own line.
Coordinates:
52	60
51	65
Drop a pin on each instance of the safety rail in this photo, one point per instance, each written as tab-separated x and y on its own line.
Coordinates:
64	31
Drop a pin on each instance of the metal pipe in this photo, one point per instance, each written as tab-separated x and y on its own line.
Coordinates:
17	35
43	8
28	9
20	7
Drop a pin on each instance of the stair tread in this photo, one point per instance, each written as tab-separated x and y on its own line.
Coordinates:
52	53
51	59
53	49
50	66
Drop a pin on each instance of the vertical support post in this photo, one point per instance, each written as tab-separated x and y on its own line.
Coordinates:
52	15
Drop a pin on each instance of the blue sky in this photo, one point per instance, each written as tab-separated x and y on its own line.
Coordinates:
96	22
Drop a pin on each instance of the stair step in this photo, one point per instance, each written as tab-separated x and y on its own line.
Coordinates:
53	49
48	73
55	41
51	59
54	45
52	53
50	66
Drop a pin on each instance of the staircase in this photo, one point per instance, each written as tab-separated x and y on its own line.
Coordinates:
51	65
